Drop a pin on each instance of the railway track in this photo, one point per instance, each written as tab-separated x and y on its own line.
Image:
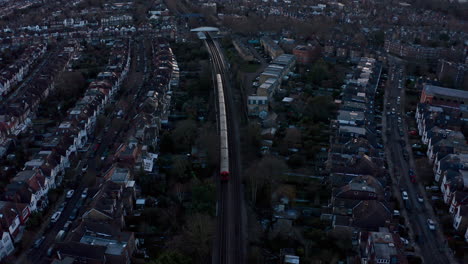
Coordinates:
229	246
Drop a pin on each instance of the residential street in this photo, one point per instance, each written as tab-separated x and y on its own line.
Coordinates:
91	158
429	243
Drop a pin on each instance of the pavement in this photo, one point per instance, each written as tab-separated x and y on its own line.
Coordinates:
430	245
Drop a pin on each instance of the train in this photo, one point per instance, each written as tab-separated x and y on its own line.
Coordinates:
223	132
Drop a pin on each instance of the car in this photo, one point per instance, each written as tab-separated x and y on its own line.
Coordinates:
70	194
50	251
404	194
67	226
84	194
396	213
420	198
55	217
404	241
431	224
39	241
62	207
74	214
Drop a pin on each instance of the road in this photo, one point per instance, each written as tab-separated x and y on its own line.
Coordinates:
228	245
430	243
133	85
19	91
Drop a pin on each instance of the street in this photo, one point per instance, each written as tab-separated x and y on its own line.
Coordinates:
430	243
114	133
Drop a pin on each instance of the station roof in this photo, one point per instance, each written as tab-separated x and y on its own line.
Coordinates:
205	29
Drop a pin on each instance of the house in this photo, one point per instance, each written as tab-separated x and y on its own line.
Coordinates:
6	244
9	218
271	47
452	181
450	162
381	246
458	198
460	218
306	54
257	105
34	179
81	253
119	245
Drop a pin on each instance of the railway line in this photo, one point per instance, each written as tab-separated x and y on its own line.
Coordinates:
228	246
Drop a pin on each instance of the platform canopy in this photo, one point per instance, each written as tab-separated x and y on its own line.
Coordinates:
205	29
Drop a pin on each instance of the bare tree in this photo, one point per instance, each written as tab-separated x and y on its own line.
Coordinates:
266	173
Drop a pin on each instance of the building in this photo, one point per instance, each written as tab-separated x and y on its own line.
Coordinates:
243	51
306	54
381	247
271	47
257	104
441	96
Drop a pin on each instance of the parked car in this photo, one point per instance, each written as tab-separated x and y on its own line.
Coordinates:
50	251
404	194
420	198
39	241
84	194
67	226
60	236
74	214
62	206
431	224
70	194
55	217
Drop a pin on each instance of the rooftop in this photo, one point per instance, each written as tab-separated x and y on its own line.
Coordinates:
442	91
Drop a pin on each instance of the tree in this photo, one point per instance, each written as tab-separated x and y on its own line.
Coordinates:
203	198
167	144
172	257
180	167
293	137
318	73
208	140
196	238
185	133
262	176
319	108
